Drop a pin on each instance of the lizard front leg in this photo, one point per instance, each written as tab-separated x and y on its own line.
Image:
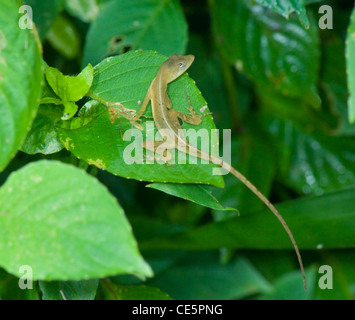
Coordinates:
139	114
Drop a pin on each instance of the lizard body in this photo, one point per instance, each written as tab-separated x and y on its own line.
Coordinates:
166	120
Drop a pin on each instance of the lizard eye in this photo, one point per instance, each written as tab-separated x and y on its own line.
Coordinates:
181	64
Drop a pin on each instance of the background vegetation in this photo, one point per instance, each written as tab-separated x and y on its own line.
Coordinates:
266	70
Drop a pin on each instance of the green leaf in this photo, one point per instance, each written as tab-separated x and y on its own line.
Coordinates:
48	94
65	225
69	290
57	82
114	291
20	80
126	79
44	14
42	137
333	83
350	68
146	228
70	88
86	10
79	85
70	109
309	160
289	287
199	275
272	51
195	193
51	100
341	262
64	37
286	7
307	156
315	223
137	24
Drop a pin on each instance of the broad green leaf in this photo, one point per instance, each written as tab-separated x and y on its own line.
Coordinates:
286	7
64	37
350	68
20	80
65	225
313	163
126	79
310	160
199	275
272	51
137	24
195	193
69	290
44	14
315	223
114	291
42	137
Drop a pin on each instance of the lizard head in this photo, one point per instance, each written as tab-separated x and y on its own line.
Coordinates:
176	65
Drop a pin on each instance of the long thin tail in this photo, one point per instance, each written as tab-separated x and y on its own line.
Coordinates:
247	183
191	150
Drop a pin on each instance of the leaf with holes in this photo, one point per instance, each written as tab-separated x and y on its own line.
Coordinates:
126	79
136	24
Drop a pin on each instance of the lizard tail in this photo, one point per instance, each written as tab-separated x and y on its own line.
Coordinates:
245	181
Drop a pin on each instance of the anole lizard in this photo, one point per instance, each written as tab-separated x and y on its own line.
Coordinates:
166	120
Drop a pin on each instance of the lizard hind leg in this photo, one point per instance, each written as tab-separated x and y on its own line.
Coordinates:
192	118
193	110
161	153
